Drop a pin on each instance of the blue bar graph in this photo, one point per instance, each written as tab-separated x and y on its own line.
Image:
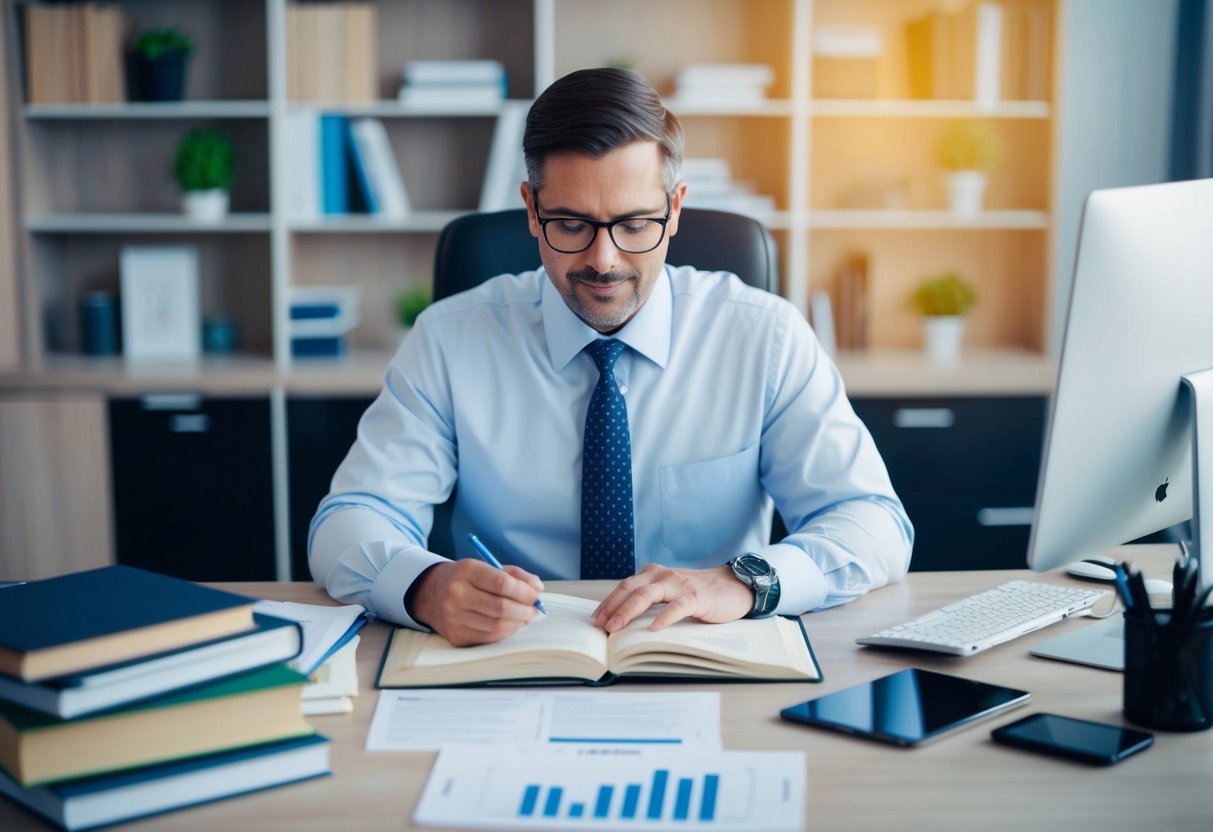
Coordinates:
603	806
529	798
682	800
688	794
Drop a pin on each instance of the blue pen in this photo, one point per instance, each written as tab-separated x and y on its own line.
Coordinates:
491	560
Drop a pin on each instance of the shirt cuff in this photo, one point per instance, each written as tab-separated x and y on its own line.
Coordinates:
394	580
802	586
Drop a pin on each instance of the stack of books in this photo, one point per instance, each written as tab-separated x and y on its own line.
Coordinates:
453	85
710	184
320	318
328	657
723	85
89	72
125	693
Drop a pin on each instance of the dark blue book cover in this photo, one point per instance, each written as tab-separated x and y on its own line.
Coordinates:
88	619
362	178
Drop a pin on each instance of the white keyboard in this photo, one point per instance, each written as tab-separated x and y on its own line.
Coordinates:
988	618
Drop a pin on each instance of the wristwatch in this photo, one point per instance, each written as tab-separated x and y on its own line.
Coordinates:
755	572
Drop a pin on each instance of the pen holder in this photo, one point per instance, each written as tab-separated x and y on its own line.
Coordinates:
1169	673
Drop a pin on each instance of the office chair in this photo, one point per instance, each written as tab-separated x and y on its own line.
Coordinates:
475	247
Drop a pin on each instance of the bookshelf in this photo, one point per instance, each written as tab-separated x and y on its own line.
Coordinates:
848	174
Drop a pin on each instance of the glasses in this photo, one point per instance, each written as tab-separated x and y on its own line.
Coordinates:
633	235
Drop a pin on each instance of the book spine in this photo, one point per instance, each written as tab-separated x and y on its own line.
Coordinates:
335	192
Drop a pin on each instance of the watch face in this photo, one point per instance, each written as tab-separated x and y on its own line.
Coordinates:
751	565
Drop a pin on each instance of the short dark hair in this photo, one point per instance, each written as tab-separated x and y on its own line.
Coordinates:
595	111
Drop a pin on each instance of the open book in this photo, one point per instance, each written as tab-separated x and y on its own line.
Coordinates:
565	646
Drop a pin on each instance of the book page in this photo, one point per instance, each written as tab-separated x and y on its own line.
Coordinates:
562	643
765	648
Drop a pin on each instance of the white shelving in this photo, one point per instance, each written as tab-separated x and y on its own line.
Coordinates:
988	220
145	223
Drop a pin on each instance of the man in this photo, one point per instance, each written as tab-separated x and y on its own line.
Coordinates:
608	415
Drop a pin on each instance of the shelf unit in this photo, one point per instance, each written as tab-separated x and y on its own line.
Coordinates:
88	179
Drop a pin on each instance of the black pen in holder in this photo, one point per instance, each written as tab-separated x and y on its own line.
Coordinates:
1168	680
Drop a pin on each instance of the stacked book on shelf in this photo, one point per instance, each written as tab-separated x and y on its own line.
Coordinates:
332	52
320	317
722	85
846	61
125	693
90	70
453	85
985	52
710	184
341	166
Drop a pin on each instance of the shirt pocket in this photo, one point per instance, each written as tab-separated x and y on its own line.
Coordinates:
708	507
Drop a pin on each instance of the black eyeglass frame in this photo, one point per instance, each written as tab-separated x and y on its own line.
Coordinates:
609	225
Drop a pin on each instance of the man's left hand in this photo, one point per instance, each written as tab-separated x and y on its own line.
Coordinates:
714	596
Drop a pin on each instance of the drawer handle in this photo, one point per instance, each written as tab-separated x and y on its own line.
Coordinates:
1015	516
171	401
189	423
924	417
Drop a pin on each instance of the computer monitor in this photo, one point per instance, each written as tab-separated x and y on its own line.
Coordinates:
1119	449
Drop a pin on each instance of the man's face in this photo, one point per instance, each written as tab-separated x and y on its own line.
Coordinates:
602	285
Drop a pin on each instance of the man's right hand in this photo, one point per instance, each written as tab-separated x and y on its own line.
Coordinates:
469	602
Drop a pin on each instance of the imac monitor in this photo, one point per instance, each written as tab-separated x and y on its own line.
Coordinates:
1119	451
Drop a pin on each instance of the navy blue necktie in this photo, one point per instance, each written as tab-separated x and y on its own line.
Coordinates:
607	529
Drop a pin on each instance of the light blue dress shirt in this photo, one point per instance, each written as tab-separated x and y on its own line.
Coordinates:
732	404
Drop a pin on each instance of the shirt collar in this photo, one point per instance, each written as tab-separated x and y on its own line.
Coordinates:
648	333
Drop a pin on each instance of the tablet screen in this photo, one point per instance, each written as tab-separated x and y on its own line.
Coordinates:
907	708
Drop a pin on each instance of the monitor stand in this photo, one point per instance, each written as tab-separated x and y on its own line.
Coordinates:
1102	644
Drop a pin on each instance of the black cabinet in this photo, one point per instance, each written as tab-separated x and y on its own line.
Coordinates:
193	486
966	470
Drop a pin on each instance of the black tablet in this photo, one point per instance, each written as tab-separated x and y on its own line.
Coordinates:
908	708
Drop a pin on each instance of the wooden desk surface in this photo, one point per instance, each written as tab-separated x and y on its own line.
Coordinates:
961	782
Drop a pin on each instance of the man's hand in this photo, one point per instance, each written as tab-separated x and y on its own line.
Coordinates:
711	595
469	602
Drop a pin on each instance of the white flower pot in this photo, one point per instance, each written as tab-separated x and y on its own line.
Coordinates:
942	336
205	206
966	191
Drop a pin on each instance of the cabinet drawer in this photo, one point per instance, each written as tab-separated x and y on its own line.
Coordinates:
958	446
971	532
193	486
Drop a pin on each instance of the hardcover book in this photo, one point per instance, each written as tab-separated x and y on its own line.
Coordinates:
244	710
565	646
99	617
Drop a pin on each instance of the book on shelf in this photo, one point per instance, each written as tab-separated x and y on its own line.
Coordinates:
454	97
334	164
256	707
320	317
564	646
74	53
302	150
454	72
505	170
91	802
453	84
846	61
372	151
269	641
85	620
332	52
851	320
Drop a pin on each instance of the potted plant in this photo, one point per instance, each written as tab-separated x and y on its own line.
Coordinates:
411	303
943	301
203	167
158	58
968	148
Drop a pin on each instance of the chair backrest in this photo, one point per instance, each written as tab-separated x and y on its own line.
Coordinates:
475	247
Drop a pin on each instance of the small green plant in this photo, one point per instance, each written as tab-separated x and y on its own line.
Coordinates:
412	303
945	294
969	144
205	160
154	43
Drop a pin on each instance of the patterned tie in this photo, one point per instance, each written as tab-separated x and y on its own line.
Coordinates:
607	532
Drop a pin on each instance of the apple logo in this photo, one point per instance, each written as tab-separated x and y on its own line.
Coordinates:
1160	493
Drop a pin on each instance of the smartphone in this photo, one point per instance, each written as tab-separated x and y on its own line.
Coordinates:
1074	739
907	708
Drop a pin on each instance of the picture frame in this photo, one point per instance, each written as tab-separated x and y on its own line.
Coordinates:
160	319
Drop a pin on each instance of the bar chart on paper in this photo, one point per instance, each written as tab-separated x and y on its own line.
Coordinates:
601	788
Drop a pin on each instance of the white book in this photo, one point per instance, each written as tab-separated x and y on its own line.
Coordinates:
452	96
383	173
506	167
822	315
847	41
445	72
733	75
303	165
987	71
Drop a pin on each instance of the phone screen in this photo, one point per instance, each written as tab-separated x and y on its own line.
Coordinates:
907	708
1078	739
